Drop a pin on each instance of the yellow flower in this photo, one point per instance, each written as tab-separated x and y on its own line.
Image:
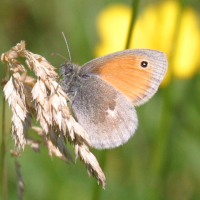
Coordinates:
165	26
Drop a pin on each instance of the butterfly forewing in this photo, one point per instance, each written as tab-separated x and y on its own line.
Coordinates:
136	73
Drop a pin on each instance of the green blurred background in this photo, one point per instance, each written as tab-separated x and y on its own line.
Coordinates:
161	161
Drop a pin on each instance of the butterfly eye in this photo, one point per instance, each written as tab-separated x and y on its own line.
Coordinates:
68	70
144	64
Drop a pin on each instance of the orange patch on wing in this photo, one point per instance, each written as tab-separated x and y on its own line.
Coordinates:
126	75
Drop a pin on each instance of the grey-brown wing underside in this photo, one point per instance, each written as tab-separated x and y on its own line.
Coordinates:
107	116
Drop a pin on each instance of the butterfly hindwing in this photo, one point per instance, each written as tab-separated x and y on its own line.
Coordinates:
109	118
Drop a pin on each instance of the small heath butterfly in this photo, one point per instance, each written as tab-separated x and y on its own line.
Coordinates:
104	91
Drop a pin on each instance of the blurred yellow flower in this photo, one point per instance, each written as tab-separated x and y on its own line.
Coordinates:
165	26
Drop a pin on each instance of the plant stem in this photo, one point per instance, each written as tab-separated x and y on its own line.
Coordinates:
135	8
3	152
3	143
97	188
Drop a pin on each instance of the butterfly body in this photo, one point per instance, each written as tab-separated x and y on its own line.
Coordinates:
103	92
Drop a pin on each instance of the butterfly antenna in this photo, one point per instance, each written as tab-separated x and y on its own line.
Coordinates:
67	46
59	55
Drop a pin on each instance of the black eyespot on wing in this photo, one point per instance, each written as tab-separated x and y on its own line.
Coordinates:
144	64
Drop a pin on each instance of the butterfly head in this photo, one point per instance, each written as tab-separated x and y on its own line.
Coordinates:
69	72
67	69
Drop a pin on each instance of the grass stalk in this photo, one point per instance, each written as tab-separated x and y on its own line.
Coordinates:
3	144
135	8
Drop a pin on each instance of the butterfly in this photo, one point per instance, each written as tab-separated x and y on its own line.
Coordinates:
104	91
